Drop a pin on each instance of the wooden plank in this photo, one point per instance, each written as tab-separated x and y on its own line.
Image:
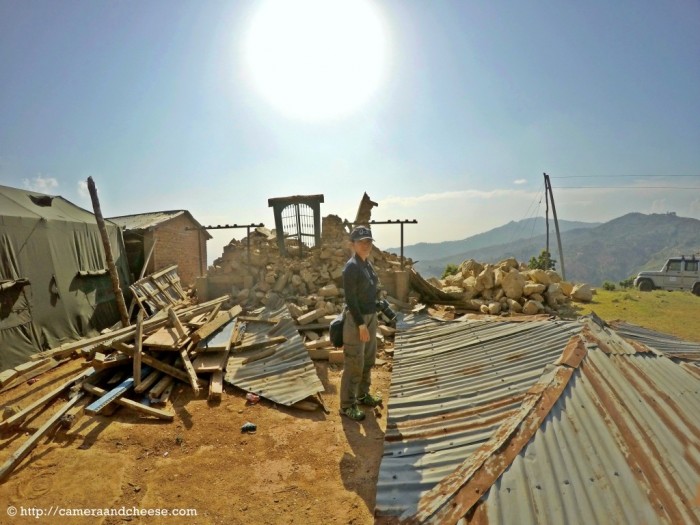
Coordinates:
160	387
319	354
131	404
138	350
216	385
213	325
189	369
323	342
157	364
148	381
113	360
48	365
176	323
166	338
110	396
125	334
166	394
19	416
28	445
210	361
311	316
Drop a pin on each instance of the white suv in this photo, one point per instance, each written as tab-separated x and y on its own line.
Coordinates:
679	273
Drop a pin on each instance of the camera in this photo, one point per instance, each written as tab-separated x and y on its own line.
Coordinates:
384	309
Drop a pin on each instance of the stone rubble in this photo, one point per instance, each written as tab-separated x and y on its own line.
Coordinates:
309	281
510	286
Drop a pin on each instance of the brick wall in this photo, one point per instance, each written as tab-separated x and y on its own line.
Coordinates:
186	248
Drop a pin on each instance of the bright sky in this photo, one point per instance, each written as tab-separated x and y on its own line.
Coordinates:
447	112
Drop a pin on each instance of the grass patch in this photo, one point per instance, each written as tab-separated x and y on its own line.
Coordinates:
676	313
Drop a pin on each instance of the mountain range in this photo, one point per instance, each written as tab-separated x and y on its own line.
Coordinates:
593	252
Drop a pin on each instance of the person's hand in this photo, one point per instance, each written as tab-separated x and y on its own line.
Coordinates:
364	333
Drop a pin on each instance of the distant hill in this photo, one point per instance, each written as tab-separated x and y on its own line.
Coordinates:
612	251
513	231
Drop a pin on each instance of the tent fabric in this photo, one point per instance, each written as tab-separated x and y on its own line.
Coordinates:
53	283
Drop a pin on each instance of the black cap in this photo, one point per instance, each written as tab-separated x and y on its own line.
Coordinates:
360	233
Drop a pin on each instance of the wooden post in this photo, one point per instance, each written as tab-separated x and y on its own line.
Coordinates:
138	341
121	305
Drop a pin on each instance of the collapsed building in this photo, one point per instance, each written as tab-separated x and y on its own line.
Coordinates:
272	267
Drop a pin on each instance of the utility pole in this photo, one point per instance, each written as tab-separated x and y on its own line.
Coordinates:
548	190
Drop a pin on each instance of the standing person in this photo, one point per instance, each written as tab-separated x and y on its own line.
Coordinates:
360	328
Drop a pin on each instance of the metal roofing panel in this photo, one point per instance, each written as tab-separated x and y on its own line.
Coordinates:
142	221
287	376
452	385
621	445
666	343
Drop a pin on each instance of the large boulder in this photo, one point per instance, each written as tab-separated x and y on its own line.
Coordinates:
539	276
471	267
512	284
566	287
554	295
454	279
554	277
582	293
486	279
514	306
530	288
532	307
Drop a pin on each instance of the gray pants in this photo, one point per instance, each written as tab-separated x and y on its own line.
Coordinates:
359	359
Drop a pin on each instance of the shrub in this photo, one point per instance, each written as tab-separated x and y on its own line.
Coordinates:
450	269
627	283
543	262
607	285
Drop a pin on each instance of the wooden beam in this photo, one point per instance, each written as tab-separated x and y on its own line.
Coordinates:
138	340
176	323
28	445
110	396
159	388
124	334
216	385
216	323
19	416
149	381
189	369
157	364
131	404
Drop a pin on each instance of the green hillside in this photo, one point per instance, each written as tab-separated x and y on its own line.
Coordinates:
612	251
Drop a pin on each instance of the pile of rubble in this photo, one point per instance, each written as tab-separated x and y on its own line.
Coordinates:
510	286
311	283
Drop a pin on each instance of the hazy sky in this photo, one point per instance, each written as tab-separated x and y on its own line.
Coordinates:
447	112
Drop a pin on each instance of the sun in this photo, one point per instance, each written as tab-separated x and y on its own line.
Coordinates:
316	59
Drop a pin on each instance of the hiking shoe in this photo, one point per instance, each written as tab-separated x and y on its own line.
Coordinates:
370	400
353	413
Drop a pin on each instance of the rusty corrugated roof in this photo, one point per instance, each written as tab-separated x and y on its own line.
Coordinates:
666	343
287	376
607	433
453	383
145	221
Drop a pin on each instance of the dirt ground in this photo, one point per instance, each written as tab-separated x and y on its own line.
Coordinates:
298	467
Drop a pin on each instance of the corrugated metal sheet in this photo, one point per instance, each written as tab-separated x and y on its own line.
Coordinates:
622	445
143	221
608	433
287	376
452	385
666	343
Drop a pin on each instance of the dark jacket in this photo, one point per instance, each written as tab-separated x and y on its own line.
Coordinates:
360	283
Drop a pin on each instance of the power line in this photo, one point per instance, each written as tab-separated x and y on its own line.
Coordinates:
626	188
615	176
